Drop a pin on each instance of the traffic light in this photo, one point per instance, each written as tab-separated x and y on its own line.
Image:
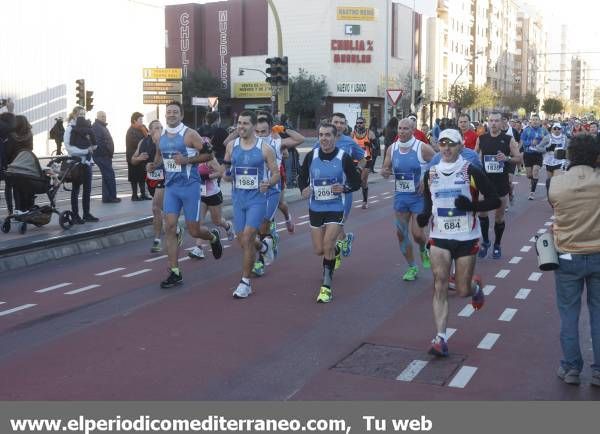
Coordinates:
89	100
418	96
277	72
80	92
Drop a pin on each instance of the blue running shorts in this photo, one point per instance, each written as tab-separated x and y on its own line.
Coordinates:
409	203
186	197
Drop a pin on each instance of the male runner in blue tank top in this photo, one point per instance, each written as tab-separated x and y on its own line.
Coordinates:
249	161
327	173
181	149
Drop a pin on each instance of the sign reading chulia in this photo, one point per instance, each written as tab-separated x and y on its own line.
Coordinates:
255	89
351	88
355	13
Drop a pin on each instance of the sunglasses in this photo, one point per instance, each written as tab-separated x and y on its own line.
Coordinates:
556	128
446	142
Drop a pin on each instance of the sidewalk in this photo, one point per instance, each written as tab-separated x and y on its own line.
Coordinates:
119	223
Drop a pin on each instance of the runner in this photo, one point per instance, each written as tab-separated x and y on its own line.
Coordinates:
469	135
451	191
365	139
211	199
406	160
556	140
250	161
496	150
326	174
532	158
181	149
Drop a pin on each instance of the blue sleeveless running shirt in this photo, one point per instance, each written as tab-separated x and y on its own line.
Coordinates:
248	169
323	174
176	174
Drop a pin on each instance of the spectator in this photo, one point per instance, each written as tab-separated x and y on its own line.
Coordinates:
18	140
217	135
374	127
81	142
136	170
574	196
7	126
103	156
436	130
389	133
57	133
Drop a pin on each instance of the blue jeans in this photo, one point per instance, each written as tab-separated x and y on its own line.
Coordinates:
570	278
109	184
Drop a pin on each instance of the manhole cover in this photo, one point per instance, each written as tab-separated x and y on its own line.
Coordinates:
402	364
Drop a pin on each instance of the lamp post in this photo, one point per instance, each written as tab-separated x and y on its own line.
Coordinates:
273	88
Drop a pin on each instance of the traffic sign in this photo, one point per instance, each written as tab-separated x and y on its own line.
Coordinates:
163	86
163	73
197	101
394	95
162	98
213	101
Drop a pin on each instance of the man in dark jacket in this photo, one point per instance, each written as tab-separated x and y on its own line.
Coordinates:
103	158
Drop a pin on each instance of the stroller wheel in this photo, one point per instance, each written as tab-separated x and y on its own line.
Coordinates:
6	226
65	219
23	228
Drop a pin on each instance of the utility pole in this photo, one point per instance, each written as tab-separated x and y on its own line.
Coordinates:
282	91
387	54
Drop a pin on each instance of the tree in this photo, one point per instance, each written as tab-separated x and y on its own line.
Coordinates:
531	102
306	93
513	102
552	106
463	97
201	83
486	97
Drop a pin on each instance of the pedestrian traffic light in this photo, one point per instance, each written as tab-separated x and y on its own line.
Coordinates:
277	72
418	96
80	92
284	70
89	100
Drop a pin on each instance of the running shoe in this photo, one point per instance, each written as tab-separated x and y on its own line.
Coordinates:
230	231
439	347
216	246
346	246
365	205
258	269
483	249
180	233
425	259
325	295
531	196
497	252
338	261
172	280
289	224
411	273
595	381
478	297
196	253
243	290
155	247
275	237
569	376
268	254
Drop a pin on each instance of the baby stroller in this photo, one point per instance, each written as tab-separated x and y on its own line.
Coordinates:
28	179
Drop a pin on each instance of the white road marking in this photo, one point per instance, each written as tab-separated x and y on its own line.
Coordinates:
358	206
358	201
515	260
552	217
303	216
158	258
135	273
283	229
375	201
548	224
183	258
16	309
542	231
303	223
532	240
467	311
372	197
487	289
502	274
534	277
50	288
114	270
189	249
85	288
515	183
525	249
508	314
523	293
463	376
412	370
2	302
449	333
488	341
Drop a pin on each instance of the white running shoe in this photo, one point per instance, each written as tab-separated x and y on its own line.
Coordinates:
269	254
197	253
230	232
243	290
289	224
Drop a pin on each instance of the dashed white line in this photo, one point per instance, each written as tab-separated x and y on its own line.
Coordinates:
183	258
532	240
525	249
50	288
305	216
507	315
449	333
78	290
375	201
358	206
463	376
2	302
522	293
548	224
412	370
502	274
303	223
372	197
358	201
282	229
158	258
16	309
487	289
467	311
515	260
552	217
534	277
135	273
114	270
488	341
515	183
542	231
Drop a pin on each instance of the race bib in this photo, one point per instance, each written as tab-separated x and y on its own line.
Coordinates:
323	189
171	165
203	190
452	221
156	175
405	182
246	178
492	165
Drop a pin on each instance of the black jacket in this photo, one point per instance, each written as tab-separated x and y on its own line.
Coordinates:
104	140
82	135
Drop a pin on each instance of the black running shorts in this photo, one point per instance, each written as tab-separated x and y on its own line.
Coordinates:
320	218
456	248
214	200
533	159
